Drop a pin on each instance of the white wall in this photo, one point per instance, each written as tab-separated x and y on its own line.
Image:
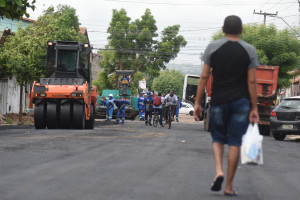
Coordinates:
13	96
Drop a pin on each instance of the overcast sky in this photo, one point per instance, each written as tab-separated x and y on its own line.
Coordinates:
198	19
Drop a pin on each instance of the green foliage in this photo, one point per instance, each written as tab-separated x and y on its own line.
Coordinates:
169	80
136	46
274	47
135	84
9	120
149	81
104	81
15	9
24	54
192	81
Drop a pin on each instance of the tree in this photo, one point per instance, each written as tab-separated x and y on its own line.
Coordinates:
104	81
15	9
274	47
135	45
24	54
169	80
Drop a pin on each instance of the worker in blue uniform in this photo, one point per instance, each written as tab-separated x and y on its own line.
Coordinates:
125	80
110	106
179	105
121	104
148	102
141	106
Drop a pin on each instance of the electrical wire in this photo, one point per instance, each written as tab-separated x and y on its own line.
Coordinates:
274	5
190	4
287	7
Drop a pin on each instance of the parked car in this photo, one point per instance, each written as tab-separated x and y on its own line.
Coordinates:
187	108
285	118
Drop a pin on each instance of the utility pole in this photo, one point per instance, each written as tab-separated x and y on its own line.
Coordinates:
266	14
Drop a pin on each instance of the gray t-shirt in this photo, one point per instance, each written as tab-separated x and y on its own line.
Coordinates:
230	62
171	100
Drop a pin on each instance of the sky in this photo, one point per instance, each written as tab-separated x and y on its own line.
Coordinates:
199	19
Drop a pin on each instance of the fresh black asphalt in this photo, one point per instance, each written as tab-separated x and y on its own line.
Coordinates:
135	162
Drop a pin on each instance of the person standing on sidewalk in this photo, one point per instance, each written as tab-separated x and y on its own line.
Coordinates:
234	99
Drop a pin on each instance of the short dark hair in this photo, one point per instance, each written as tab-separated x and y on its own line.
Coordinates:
159	94
232	25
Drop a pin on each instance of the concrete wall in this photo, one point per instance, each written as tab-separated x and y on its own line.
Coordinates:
95	65
13	98
10	92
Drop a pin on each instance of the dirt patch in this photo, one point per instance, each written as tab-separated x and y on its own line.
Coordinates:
13	119
187	119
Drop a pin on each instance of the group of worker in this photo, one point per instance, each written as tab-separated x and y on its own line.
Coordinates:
111	104
159	104
146	106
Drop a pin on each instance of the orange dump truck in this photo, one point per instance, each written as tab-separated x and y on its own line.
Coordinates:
65	98
267	79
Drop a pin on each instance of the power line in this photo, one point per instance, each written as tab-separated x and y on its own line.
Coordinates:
287	7
262	5
192	4
274	5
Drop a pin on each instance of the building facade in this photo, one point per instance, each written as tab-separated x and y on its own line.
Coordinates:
9	87
13	24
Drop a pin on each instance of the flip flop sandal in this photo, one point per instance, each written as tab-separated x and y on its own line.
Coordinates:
217	184
234	194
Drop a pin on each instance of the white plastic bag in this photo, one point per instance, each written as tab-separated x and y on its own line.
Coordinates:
251	149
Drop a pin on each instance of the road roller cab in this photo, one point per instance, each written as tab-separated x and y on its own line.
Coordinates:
65	97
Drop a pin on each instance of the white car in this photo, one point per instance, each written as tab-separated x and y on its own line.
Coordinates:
186	108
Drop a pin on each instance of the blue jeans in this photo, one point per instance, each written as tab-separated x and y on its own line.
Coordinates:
229	122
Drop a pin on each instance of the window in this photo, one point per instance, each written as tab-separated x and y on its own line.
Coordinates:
67	61
84	65
291	103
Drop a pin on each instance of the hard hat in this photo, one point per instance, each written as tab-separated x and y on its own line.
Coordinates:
110	95
148	93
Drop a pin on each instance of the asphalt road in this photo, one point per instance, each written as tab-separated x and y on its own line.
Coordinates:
135	162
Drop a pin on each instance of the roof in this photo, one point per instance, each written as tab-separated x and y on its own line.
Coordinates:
83	30
296	80
29	20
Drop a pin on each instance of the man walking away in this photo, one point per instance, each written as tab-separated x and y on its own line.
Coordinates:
233	100
179	105
148	108
121	104
157	105
141	106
